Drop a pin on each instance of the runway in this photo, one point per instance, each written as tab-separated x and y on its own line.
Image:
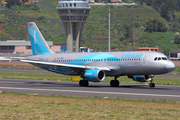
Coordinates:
45	71
125	91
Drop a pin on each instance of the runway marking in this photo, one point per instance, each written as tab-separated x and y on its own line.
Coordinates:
11	82
97	92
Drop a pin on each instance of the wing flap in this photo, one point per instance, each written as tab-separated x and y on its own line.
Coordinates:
66	65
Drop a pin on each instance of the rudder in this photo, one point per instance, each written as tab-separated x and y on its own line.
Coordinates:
38	43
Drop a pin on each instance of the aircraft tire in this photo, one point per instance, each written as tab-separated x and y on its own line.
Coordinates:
114	83
151	85
86	83
117	83
83	83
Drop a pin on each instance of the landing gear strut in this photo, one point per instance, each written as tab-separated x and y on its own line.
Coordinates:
114	83
84	83
151	85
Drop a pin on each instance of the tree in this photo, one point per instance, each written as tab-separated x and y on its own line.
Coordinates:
12	2
177	40
155	26
165	8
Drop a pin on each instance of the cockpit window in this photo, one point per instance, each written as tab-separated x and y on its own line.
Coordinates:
160	58
164	58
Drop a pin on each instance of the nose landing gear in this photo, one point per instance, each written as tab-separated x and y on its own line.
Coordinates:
151	85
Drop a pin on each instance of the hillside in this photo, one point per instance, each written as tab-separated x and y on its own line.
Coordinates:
128	26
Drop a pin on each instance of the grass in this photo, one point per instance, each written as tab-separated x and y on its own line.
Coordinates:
43	76
19	67
176	71
23	106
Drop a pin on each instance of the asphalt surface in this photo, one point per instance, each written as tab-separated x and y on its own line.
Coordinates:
45	71
126	91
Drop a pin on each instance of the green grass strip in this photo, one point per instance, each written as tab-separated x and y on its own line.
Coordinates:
22	106
19	67
94	98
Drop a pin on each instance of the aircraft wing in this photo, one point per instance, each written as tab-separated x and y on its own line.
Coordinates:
66	65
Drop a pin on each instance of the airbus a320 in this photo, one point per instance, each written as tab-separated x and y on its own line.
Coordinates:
140	66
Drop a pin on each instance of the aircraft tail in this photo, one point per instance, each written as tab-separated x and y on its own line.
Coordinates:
38	43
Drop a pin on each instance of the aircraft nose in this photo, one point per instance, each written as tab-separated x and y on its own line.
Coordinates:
170	66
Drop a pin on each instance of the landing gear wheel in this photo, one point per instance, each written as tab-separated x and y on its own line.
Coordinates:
84	83
114	83
81	83
151	85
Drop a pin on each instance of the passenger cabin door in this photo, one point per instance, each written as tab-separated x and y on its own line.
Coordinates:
144	60
47	58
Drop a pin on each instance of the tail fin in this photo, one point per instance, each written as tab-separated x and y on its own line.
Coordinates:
38	43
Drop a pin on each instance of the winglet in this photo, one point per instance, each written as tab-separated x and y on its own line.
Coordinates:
38	43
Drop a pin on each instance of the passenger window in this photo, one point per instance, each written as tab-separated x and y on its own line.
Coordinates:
159	58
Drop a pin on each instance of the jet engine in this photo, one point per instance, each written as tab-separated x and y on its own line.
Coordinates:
141	78
94	75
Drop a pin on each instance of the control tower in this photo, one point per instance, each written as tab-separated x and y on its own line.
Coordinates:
73	14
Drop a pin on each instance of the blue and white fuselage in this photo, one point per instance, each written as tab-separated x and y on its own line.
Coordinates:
138	65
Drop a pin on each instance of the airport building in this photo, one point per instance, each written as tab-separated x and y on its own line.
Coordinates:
174	54
73	14
149	49
22	46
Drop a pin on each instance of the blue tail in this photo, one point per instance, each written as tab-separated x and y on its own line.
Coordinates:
38	43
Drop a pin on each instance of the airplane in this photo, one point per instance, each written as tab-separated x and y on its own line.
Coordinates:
141	66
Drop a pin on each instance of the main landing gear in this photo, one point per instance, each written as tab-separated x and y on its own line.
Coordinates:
114	83
151	85
84	83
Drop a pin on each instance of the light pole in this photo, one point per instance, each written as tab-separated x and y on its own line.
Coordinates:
109	5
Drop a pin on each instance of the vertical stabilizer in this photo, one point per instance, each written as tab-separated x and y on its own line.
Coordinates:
38	43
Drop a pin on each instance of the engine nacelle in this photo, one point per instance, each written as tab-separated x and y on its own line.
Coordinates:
94	75
141	78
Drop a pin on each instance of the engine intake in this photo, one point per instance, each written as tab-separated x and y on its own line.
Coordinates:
95	75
